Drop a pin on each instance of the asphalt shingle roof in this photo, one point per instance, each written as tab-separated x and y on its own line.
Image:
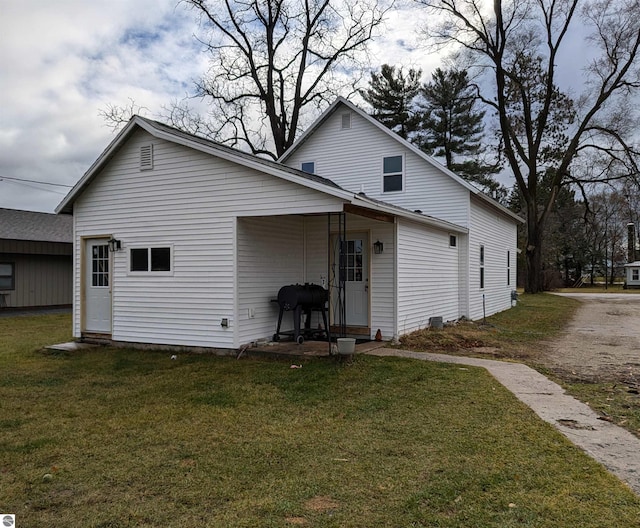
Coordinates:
29	225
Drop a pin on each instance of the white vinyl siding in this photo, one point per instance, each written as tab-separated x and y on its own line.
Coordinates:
270	255
190	200
497	234
427	277
353	160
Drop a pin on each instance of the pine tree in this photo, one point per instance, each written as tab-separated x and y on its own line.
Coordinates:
391	94
451	127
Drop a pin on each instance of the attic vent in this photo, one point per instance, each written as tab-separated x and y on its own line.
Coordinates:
346	121
146	157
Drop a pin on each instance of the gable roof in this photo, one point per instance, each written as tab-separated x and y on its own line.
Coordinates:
274	168
38	227
430	160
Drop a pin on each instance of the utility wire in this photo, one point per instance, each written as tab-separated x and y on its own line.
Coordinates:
35	181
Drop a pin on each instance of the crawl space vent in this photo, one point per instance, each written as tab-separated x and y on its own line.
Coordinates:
146	157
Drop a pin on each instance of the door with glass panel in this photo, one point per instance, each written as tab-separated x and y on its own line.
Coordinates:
97	286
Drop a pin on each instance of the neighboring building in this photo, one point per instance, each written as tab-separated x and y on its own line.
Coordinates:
35	259
632	275
183	241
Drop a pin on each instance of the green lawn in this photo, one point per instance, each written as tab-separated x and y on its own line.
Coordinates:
133	438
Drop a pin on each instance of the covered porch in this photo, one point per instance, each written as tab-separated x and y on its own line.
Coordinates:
349	253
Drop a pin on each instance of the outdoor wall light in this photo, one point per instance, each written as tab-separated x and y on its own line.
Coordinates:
114	245
378	247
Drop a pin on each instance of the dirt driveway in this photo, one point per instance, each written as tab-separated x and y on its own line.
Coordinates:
602	342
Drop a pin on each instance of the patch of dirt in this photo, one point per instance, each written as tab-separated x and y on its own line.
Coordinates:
298	521
321	504
601	343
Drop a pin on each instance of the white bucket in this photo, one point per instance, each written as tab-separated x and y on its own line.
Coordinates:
346	345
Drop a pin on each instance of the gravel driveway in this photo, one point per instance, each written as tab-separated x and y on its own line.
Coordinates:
602	342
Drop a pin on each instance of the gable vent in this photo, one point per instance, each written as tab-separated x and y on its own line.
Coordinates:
346	121
146	157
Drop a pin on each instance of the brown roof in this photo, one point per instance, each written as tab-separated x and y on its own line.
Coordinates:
29	225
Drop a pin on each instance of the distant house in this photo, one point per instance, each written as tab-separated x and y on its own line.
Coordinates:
36	251
632	275
183	241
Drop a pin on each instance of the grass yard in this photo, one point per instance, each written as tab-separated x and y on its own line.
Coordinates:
520	334
130	438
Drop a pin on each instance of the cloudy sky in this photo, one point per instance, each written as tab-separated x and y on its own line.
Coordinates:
63	61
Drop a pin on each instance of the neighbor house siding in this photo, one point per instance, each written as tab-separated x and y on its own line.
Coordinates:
427	277
498	234
40	280
352	158
189	201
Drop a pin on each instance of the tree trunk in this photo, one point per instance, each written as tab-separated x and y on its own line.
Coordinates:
533	252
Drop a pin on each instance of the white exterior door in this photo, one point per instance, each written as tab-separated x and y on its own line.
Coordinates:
356	252
97	286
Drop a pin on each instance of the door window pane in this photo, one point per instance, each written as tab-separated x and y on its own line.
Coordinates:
100	266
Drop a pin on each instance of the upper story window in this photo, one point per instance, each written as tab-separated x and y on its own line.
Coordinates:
392	174
150	259
308	166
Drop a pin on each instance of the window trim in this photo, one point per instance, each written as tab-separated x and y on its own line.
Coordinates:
12	276
149	272
401	173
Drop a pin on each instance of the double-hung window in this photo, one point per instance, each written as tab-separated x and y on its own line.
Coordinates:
508	268
481	267
392	174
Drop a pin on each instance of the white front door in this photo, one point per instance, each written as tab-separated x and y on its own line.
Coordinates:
356	285
97	286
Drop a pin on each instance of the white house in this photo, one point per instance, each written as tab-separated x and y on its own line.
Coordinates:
182	241
632	275
355	151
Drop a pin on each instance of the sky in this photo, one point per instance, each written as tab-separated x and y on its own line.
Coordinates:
62	62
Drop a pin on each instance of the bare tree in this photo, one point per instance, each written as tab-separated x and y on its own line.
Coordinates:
272	59
544	131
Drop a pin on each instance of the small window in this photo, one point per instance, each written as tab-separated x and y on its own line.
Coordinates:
346	121
481	267
508	268
392	174
308	166
7	276
635	275
150	259
453	241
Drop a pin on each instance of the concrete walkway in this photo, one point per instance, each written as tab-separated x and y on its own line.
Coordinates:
614	447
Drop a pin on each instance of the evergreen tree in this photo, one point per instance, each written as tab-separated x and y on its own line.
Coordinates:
391	94
451	127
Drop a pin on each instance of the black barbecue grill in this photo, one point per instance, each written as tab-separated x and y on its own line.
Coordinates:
299	298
